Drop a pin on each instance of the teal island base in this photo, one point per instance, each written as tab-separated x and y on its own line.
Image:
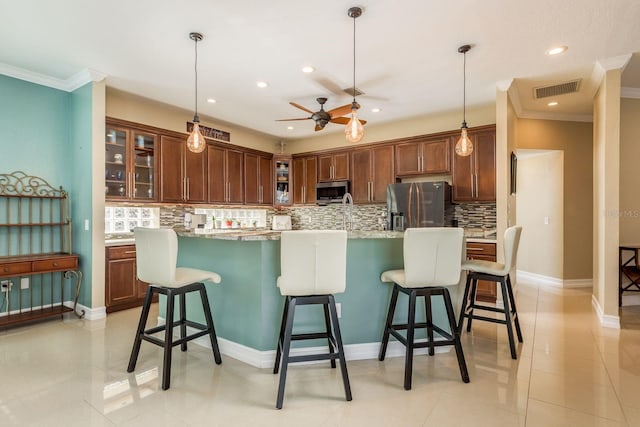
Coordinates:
247	305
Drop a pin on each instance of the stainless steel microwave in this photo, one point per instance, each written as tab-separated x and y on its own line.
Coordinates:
331	192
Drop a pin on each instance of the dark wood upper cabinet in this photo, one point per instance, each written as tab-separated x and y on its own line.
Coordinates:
182	173
304	171
371	172
258	188
225	175
474	176
333	166
430	156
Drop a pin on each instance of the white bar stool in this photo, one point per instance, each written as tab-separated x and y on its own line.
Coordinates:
156	258
432	262
313	267
499	273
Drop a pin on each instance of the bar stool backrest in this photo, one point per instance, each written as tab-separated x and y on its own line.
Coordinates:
313	262
432	256
156	255
511	243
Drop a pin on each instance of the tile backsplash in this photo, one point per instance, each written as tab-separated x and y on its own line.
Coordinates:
123	219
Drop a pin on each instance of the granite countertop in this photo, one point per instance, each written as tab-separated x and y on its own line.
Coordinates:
473	235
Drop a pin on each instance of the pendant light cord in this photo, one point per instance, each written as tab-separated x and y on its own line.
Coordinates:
354	59
464	90
196	119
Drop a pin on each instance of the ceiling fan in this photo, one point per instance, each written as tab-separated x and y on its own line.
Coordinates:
323	117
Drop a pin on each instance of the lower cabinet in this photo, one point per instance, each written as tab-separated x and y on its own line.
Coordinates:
122	288
487	291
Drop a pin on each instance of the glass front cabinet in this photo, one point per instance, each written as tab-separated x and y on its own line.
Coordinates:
282	180
130	164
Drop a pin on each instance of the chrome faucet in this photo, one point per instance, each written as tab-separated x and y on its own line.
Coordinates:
347	211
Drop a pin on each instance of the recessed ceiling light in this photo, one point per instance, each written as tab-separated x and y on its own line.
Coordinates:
552	103
308	69
557	50
262	85
211	101
289	127
375	110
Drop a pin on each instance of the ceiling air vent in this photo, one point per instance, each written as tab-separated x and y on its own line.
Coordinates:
555	90
349	91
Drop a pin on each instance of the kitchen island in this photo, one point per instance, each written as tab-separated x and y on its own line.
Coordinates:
247	305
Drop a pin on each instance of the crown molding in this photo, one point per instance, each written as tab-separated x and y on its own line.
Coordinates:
69	85
630	92
564	117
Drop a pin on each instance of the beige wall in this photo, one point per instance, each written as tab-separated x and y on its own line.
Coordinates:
575	140
606	181
540	196
374	132
97	199
123	105
629	176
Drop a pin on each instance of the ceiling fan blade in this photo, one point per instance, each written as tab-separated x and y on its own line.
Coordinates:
363	121
289	120
301	107
340	120
340	111
318	127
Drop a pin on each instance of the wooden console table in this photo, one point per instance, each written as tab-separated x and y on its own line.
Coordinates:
35	251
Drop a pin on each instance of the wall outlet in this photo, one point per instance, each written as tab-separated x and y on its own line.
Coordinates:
24	283
5	284
339	309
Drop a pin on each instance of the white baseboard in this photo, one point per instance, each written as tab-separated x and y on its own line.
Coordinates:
540	279
607	321
265	359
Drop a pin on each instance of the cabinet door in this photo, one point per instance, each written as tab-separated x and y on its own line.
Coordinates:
361	175
235	173
382	172
310	179
117	148
485	163
298	183
325	168
487	290
408	158
251	185
171	169
217	184
121	281
435	156
143	170
341	166
266	181
196	176
463	177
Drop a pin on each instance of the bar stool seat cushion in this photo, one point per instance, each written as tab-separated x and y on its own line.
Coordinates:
482	266
185	276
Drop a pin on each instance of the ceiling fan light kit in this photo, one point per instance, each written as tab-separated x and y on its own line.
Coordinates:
354	130
196	142
464	146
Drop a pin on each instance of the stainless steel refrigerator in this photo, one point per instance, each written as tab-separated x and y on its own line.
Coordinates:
419	204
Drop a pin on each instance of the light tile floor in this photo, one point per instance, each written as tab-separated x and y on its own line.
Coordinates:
570	372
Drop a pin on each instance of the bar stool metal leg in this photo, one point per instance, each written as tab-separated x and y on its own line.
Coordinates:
514	312
388	323
464	306
276	365
168	341
133	359
285	350
209	319
327	323
507	315
338	338
427	306
183	321
456	336
411	321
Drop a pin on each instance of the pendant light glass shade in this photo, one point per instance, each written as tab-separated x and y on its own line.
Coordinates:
354	130
464	146
196	142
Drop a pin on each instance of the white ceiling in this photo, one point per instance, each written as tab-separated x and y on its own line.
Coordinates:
407	60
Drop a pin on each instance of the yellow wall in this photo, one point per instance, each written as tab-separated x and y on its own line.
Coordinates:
123	105
375	132
629	155
540	195
576	140
606	181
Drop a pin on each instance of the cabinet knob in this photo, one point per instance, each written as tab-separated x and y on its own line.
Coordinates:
55	264
6	269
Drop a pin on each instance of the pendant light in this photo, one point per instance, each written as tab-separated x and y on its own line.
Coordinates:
196	142
354	130
464	146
